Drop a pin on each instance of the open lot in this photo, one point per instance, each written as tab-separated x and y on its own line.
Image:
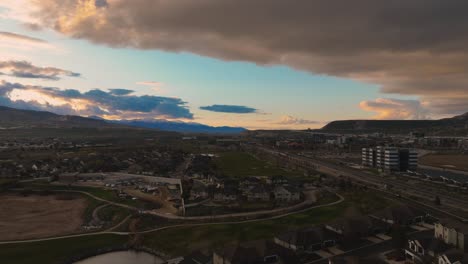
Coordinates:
34	216
448	161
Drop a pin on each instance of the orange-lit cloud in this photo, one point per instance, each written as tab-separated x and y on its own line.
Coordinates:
387	108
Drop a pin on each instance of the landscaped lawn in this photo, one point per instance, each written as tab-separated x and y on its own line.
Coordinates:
241	164
56	251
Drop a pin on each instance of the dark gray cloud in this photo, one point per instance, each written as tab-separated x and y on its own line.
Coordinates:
24	69
413	47
21	37
233	109
119	91
100	3
96	102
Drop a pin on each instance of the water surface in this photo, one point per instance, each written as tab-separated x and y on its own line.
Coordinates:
123	257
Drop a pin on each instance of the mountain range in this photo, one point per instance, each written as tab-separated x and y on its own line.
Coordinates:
183	127
17	118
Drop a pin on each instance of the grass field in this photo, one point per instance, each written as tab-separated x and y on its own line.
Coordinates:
184	240
112	214
56	251
242	164
102	193
449	161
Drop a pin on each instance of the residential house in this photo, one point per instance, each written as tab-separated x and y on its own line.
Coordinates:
453	256
452	233
258	192
310	239
402	215
355	227
356	260
255	252
286	194
225	194
425	250
199	190
279	180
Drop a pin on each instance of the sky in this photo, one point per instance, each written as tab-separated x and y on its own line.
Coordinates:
263	64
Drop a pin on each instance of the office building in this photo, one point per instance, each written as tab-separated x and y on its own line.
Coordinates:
390	158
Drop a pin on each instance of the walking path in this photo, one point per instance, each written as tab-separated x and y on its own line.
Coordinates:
340	200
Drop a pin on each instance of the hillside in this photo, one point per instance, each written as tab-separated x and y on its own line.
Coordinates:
182	127
447	126
16	118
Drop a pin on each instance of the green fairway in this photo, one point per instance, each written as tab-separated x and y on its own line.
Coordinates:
241	164
57	251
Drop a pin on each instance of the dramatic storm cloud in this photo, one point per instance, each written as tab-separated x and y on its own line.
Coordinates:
24	69
233	109
116	103
414	47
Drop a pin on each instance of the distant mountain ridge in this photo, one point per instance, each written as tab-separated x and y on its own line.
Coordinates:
441	126
181	126
18	118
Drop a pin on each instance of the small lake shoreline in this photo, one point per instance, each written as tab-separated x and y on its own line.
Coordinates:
102	251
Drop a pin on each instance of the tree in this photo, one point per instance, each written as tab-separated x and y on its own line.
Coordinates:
342	184
398	237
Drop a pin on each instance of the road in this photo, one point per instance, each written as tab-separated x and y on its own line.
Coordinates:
340	200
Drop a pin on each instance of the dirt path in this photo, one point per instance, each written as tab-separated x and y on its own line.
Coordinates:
96	218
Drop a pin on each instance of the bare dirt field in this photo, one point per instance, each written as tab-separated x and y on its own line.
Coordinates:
37	216
450	161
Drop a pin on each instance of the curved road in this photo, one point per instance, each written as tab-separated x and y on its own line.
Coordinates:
340	200
309	200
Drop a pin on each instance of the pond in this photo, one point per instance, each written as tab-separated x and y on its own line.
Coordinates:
123	257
